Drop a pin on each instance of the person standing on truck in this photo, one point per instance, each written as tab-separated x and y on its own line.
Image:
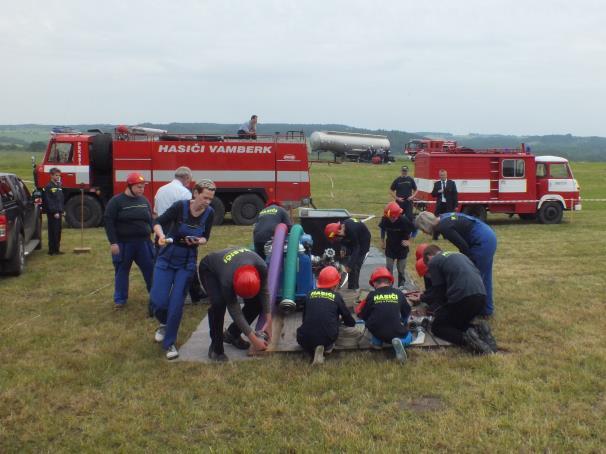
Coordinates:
269	217
456	297
176	190
53	203
397	229
128	225
471	236
355	244
248	130
227	275
191	222
403	190
445	192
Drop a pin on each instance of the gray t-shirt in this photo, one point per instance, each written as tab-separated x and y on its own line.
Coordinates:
458	274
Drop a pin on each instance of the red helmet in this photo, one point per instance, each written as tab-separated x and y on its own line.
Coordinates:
247	281
421	267
122	129
392	211
134	178
420	250
332	230
379	273
329	277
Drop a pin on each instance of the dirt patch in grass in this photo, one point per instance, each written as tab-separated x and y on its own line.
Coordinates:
423	404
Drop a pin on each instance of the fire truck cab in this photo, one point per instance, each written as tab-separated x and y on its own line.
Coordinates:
510	181
429	146
247	171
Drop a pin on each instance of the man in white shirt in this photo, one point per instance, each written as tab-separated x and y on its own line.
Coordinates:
248	130
174	191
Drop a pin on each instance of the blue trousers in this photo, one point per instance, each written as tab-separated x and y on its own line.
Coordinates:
406	340
142	253
167	295
484	246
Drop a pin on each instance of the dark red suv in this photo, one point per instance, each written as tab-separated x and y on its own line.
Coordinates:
20	224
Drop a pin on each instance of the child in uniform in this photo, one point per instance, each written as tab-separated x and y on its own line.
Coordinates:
385	311
321	313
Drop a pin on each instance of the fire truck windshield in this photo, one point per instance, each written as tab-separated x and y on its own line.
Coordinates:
415	146
60	152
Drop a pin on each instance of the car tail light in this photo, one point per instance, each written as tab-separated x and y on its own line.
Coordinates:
3	227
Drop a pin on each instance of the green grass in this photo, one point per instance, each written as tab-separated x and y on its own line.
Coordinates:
77	376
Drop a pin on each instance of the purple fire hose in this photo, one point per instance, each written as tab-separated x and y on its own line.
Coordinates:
275	269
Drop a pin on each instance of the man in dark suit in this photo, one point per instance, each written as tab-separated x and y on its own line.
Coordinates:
445	192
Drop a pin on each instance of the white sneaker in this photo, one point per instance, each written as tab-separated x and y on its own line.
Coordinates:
399	349
172	352
160	333
318	355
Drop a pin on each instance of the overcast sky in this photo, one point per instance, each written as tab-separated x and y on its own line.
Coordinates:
485	66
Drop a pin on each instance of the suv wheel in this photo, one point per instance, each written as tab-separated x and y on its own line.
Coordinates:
16	264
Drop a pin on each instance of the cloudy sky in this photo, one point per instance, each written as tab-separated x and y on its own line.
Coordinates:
485	66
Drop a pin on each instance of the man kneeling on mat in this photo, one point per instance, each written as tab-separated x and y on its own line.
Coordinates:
227	275
457	295
385	311
321	312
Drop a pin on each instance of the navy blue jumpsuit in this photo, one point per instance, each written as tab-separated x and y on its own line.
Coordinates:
176	264
477	241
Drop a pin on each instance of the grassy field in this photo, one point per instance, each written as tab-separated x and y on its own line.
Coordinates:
76	375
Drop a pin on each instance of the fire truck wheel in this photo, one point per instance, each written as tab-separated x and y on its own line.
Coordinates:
550	213
93	213
245	209
477	211
101	154
219	208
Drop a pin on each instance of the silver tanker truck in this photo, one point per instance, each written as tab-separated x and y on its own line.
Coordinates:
350	145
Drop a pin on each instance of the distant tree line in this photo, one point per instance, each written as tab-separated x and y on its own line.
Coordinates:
7	145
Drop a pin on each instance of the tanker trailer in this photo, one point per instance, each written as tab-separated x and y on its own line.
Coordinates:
351	145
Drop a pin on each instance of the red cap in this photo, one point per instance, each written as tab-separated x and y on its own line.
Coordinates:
134	178
421	267
332	230
379	273
392	211
329	277
420	250
122	129
247	281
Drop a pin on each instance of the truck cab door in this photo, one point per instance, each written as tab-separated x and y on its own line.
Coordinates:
292	174
542	179
61	156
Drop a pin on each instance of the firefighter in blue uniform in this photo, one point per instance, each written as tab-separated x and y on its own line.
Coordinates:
176	263
53	199
471	236
355	238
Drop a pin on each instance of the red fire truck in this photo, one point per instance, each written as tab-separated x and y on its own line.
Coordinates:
247	172
511	181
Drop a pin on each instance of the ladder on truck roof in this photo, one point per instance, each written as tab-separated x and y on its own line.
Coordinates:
521	150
